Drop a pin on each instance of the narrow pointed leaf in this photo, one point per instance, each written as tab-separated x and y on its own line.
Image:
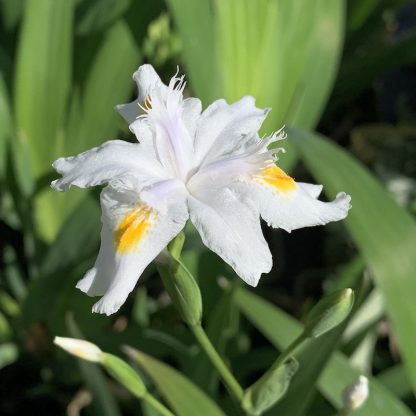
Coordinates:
43	77
321	66
93	15
6	125
109	82
103	401
184	397
195	23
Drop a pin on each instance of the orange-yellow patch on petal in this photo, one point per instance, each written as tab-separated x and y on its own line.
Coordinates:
132	228
275	177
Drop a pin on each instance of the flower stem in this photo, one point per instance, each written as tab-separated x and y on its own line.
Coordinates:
152	401
288	351
229	380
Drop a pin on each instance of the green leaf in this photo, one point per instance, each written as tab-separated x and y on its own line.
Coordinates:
321	66
108	82
93	15
195	23
6	125
95	379
357	74
255	42
42	86
359	11
280	329
312	360
77	243
383	231
8	354
396	380
43	78
77	239
184	397
11	12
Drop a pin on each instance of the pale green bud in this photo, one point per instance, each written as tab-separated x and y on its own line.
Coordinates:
183	290
329	312
80	348
179	282
115	366
266	391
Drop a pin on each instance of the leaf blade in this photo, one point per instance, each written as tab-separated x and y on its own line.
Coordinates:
281	329
184	397
376	231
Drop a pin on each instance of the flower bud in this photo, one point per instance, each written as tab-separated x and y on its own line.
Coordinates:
183	290
80	348
355	395
270	388
329	312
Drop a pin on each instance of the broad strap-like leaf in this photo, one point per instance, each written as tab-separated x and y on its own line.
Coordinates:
195	23
43	78
280	329
6	125
183	396
383	231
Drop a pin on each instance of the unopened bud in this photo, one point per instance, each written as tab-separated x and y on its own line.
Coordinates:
329	312
270	388
355	395
80	348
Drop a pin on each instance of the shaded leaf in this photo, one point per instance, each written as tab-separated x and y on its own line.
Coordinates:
383	231
184	397
93	15
281	329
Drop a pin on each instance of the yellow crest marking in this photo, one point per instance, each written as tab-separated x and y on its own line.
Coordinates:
277	178
131	229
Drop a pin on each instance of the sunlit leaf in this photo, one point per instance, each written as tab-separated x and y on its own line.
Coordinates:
195	23
43	78
42	86
108	82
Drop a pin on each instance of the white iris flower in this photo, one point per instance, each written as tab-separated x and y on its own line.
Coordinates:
210	167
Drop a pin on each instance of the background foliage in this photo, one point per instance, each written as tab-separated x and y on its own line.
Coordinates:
345	69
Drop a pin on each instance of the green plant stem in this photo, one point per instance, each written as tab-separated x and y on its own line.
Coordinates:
152	401
228	379
289	351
